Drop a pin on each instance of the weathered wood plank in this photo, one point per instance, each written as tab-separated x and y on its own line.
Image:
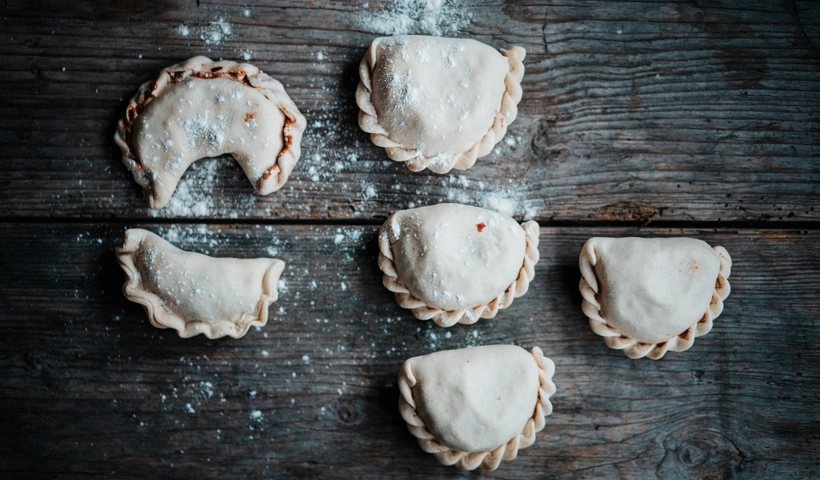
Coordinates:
88	388
631	110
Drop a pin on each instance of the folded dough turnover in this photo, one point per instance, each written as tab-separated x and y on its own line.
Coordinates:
648	296
193	293
201	108
454	263
476	406
438	103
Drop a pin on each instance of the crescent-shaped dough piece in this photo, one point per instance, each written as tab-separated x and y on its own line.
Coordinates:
438	103
454	263
476	406
194	293
201	108
647	296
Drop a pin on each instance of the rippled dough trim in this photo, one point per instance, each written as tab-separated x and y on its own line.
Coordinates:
194	293
498	357
422	308
479	96
267	162
671	293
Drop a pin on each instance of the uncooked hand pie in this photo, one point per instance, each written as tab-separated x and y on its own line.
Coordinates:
454	263
649	296
476	406
201	108
438	103
194	293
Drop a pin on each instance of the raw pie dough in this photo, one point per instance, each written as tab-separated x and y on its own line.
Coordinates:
438	103
201	108
455	263
476	406
647	296
194	293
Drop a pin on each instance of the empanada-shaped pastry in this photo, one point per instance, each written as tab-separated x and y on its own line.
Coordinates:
476	406
455	263
193	293
438	103
201	108
649	295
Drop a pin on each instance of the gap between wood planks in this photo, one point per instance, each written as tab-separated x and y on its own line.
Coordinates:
658	224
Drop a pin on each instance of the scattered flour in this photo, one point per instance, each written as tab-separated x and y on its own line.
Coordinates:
501	204
326	149
189	237
215	33
211	33
510	204
193	196
368	190
427	17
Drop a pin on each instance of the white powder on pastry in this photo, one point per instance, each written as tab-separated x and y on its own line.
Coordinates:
205	130
427	96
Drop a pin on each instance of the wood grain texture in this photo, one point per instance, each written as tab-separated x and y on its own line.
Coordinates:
90	389
704	111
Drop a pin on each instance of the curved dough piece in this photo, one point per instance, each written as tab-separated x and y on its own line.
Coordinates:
454	263
476	406
193	293
201	108
647	296
438	103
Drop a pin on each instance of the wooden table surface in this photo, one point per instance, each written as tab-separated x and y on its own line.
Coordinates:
696	118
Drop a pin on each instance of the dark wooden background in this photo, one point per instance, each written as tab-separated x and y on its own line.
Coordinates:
698	118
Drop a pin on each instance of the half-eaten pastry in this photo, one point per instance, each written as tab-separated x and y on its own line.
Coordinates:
647	296
476	406
438	103
454	263
201	108
194	293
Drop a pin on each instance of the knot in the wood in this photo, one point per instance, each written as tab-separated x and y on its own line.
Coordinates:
347	413
699	453
40	364
542	147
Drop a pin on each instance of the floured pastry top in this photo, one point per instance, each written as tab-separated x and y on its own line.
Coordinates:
476	406
438	103
456	263
194	293
648	296
202	108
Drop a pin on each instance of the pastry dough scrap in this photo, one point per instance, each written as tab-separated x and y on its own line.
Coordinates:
650	296
193	293
201	108
454	263
438	103
476	406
